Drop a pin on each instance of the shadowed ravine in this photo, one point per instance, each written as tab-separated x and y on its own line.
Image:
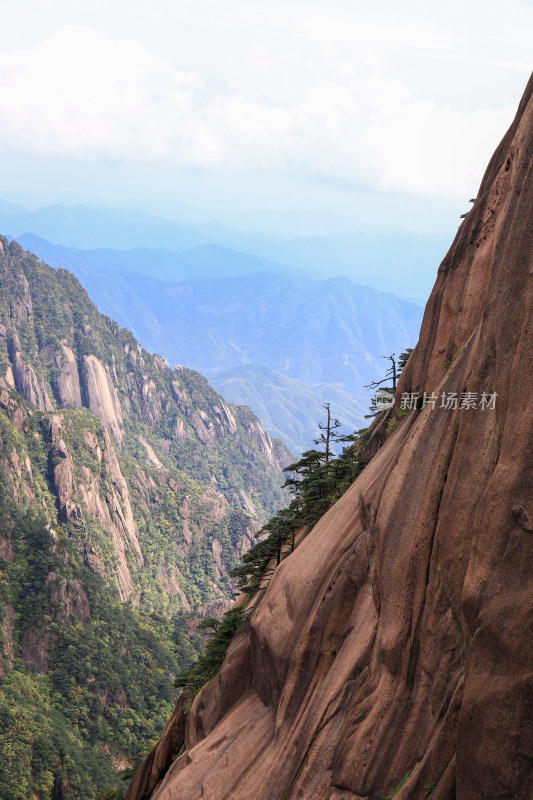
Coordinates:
396	638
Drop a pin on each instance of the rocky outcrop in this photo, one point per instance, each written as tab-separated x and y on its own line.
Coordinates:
67	599
203	427
63	476
28	384
262	440
159	760
111	506
20	307
35	646
102	397
150	454
6	549
170	579
226	418
83	492
392	648
68	382
125	521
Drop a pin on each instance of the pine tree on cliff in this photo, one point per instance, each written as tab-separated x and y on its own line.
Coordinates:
403	359
327	431
316	481
392	374
315	484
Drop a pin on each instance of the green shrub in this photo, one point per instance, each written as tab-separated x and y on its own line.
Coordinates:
393	792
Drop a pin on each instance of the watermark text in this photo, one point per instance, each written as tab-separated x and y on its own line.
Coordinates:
450	401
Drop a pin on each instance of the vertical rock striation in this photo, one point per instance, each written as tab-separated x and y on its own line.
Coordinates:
170	471
102	397
395	642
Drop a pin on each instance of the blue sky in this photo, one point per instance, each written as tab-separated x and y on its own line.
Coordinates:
292	116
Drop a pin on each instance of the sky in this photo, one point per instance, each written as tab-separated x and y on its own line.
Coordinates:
291	116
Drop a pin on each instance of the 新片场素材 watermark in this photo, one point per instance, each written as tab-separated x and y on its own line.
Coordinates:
450	401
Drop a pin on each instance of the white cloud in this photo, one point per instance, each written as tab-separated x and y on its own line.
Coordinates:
79	93
84	95
420	147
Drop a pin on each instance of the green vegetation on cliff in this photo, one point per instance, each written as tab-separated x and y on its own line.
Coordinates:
316	481
83	674
128	491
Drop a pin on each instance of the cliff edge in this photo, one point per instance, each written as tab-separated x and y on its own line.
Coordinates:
391	653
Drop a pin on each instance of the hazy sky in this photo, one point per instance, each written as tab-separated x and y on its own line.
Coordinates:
315	114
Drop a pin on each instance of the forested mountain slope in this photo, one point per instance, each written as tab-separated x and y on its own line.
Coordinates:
290	409
128	491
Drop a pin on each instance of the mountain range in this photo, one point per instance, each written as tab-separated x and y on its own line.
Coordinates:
290	409
381	646
314	340
401	262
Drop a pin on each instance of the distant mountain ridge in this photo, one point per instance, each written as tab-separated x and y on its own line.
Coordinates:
285	329
88	227
201	261
290	409
400	261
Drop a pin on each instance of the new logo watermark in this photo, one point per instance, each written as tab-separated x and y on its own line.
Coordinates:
383	399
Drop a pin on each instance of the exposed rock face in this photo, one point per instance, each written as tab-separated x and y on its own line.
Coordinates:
150	455
159	760
395	640
35	650
28	385
6	549
67	599
68	383
226	418
103	400
63	475
125	533
174	463
110	505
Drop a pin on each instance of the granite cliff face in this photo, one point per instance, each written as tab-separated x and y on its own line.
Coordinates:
128	490
392	649
168	453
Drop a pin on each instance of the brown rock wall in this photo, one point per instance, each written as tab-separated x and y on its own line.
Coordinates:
396	640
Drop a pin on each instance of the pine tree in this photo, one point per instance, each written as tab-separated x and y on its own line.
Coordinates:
316	481
392	374
327	431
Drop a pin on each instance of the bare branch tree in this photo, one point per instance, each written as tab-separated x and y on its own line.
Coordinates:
328	431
